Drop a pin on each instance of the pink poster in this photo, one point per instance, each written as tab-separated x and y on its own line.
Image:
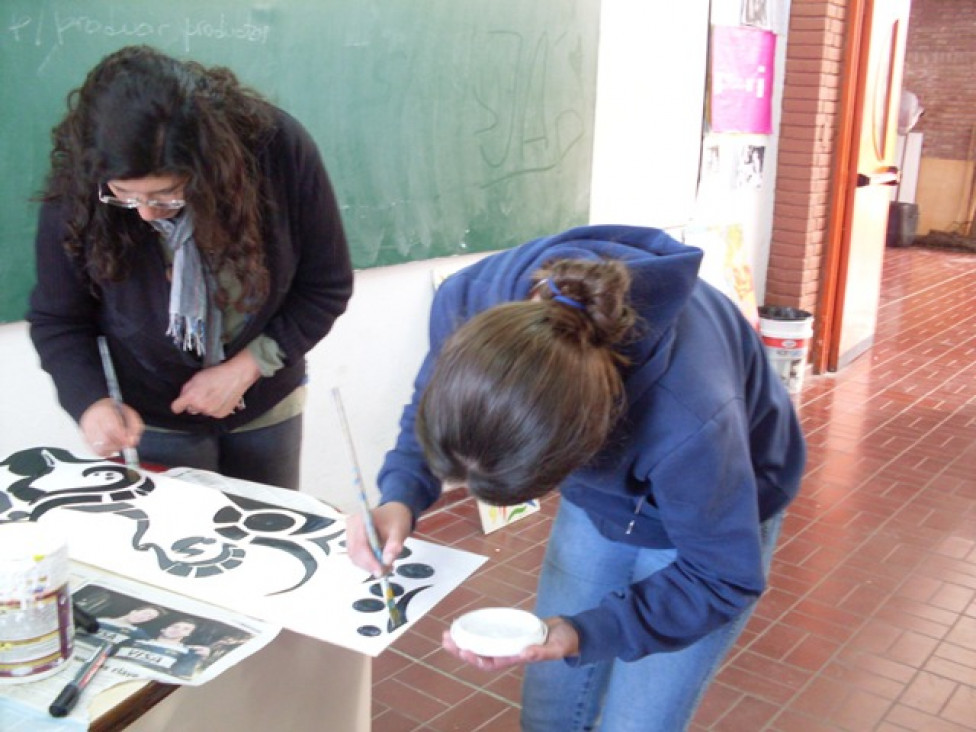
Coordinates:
742	79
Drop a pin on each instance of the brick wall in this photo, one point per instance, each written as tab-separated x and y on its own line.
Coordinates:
940	67
811	99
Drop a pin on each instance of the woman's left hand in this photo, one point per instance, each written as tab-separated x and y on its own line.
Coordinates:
561	642
219	390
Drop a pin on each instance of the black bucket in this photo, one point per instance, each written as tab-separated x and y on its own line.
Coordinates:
902	224
777	312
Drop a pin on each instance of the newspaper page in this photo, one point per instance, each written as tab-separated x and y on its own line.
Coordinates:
152	634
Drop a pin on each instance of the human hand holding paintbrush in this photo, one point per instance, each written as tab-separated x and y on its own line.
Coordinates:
109	425
392	523
108	433
365	527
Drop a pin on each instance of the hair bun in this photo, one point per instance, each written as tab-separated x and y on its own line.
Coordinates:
597	288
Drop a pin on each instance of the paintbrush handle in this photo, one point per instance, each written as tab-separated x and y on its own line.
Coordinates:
109	369
371	535
131	458
129	454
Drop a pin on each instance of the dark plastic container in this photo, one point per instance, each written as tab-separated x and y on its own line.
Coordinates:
779	312
902	224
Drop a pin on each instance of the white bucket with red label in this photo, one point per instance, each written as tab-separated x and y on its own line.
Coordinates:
786	334
36	627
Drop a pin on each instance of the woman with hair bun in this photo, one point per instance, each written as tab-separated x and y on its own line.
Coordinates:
191	224
597	363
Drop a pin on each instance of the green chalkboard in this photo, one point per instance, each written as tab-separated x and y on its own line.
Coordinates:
447	126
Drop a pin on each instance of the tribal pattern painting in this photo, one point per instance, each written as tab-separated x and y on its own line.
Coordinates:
282	562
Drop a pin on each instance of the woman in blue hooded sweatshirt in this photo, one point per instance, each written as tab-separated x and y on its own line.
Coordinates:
596	362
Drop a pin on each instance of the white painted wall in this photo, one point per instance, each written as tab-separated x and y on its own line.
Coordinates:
646	149
649	105
754	209
372	356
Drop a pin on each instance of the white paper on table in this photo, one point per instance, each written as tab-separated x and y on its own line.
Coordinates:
283	562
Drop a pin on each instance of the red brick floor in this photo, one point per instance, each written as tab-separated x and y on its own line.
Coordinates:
870	621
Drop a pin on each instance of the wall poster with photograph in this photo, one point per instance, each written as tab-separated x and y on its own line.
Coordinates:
749	170
741	79
756	13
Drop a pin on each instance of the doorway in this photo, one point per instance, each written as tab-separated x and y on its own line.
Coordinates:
865	174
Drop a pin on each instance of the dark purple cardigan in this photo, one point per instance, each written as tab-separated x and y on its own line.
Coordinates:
311	282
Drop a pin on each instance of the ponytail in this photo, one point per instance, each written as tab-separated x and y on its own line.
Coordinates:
526	392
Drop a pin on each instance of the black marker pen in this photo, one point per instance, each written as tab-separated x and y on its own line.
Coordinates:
84	620
69	694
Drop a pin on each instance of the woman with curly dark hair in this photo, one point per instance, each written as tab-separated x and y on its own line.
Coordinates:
193	225
595	362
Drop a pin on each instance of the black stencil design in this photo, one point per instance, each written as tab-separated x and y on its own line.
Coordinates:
377	603
106	487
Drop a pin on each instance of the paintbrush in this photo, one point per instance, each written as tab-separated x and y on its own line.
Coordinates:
374	541
129	454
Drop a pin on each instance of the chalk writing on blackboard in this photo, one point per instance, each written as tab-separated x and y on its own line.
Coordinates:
53	28
447	126
525	134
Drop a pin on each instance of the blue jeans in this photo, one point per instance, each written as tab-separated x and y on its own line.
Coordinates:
659	692
269	455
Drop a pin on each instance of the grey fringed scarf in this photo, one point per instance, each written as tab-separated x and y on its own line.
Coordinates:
195	320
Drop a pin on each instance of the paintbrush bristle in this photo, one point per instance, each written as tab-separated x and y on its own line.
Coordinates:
396	619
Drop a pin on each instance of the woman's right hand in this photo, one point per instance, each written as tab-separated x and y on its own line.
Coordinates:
106	432
392	521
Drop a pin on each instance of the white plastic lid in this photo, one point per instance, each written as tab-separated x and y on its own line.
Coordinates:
27	540
498	631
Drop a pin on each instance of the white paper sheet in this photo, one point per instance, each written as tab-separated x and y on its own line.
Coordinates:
282	562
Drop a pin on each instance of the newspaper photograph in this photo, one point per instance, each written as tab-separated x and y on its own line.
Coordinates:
152	635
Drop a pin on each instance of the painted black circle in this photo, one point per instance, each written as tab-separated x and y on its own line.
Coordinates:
269	521
415	570
368	605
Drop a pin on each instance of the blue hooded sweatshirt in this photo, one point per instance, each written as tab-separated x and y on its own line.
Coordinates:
709	447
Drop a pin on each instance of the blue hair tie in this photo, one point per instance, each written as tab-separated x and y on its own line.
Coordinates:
560	297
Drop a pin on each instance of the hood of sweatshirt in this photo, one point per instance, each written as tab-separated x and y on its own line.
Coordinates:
664	272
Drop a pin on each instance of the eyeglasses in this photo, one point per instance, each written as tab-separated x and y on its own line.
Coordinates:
173	204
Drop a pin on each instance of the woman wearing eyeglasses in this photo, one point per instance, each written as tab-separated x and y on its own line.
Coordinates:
192	224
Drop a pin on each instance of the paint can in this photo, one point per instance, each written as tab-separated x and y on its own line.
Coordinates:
36	627
786	334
